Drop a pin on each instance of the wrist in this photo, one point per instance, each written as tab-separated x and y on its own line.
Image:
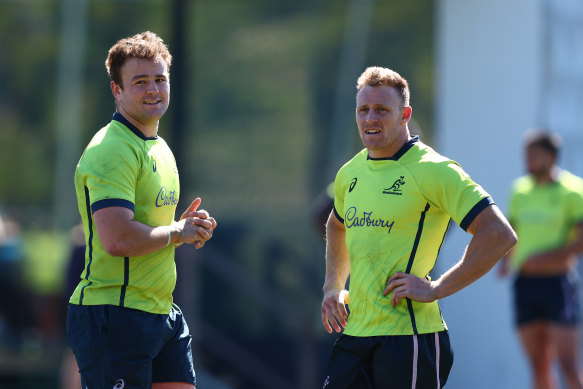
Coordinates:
175	235
331	287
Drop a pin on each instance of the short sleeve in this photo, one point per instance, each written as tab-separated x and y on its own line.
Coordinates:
576	206
339	196
110	171
451	189
512	204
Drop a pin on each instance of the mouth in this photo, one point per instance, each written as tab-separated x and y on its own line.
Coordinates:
152	102
372	131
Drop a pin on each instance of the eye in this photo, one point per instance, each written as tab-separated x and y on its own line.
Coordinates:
362	109
382	109
160	80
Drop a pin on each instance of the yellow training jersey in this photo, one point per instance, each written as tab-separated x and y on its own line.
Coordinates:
396	212
122	168
544	216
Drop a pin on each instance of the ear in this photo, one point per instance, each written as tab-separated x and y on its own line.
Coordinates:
116	90
407	112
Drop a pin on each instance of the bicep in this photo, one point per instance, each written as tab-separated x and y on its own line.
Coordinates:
333	222
112	223
489	218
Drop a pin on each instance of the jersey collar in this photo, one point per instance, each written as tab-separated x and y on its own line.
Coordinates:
399	153
120	118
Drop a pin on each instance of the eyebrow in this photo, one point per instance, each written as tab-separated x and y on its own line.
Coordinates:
374	105
138	76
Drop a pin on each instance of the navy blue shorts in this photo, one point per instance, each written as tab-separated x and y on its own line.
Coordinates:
390	362
552	299
129	348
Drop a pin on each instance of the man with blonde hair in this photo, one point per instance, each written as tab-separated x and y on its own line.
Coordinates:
122	324
392	206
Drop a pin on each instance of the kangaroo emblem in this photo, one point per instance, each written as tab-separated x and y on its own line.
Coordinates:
396	187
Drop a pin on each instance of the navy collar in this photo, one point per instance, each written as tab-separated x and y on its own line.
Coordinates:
399	153
120	118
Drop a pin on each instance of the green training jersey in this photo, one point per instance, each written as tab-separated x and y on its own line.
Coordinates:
544	216
122	168
396	212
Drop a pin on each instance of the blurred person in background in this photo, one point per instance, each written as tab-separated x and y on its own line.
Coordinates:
122	324
546	210
392	205
15	312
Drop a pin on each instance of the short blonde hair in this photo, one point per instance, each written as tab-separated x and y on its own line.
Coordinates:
379	76
145	45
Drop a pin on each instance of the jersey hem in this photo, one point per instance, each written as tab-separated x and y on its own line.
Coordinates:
420	332
128	306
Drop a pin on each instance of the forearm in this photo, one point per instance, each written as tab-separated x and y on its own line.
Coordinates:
552	262
337	260
489	243
140	239
555	261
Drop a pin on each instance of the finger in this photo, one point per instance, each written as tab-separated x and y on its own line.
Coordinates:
392	284
195	204
340	320
335	325
325	323
398	275
192	208
202	214
198	244
331	317
204	223
398	294
204	233
343	314
213	222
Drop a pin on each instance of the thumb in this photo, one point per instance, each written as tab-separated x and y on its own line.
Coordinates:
194	206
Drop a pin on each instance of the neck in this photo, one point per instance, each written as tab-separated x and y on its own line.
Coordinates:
394	147
149	131
547	176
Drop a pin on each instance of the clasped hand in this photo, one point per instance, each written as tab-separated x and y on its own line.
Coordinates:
195	226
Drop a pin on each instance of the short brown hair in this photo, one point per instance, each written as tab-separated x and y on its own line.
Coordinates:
541	137
378	76
145	45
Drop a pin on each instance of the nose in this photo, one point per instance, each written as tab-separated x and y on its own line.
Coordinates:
152	88
371	116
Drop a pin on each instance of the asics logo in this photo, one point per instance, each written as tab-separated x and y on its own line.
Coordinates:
119	384
352	184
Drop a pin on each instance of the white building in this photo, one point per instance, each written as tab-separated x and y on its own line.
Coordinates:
503	66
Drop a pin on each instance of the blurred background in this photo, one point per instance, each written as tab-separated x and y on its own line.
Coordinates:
260	119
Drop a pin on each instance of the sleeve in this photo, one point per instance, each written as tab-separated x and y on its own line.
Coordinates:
110	172
452	190
512	205
339	196
576	206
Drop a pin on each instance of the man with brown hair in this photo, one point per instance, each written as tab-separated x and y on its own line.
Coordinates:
546	209
392	205
122	324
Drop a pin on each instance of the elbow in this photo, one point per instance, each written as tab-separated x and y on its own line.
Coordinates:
507	238
116	248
